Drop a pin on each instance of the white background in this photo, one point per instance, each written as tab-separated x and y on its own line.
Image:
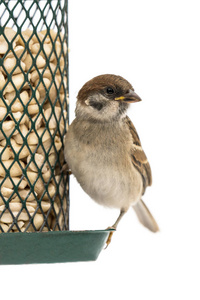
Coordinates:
154	45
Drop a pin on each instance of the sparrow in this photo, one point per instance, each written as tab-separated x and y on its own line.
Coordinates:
103	150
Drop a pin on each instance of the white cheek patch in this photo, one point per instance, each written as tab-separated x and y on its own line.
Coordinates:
87	102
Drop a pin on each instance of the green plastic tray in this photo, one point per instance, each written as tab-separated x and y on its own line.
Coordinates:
51	247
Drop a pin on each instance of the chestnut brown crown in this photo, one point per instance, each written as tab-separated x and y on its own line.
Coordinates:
112	86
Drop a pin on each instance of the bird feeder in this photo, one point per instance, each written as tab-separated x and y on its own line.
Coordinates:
34	111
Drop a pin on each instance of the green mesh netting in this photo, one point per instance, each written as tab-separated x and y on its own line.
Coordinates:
33	115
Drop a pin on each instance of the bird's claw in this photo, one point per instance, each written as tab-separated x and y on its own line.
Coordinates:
110	236
65	169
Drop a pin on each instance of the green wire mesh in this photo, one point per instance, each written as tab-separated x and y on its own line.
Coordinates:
33	115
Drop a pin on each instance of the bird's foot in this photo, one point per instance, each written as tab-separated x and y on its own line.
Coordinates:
110	236
65	169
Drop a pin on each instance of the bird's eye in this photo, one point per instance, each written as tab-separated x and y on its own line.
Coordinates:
110	90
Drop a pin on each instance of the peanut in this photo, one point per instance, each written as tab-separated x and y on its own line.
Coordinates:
30	113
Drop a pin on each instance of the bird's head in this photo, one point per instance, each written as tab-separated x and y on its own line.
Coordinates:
105	97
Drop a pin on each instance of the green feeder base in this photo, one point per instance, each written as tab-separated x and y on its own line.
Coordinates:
51	247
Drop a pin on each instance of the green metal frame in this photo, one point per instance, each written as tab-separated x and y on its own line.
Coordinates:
20	15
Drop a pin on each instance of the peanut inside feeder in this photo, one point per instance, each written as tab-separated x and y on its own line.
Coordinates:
33	113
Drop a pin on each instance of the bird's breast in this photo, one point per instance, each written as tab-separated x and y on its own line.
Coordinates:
99	157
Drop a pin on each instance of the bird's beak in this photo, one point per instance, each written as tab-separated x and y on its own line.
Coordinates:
129	97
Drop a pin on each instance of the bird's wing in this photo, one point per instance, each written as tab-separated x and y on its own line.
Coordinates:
138	156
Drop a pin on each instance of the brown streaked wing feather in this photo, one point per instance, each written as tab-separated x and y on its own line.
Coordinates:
138	156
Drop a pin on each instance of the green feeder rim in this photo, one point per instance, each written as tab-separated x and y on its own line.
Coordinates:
52	247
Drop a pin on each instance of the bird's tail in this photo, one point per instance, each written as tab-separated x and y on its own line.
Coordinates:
145	217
